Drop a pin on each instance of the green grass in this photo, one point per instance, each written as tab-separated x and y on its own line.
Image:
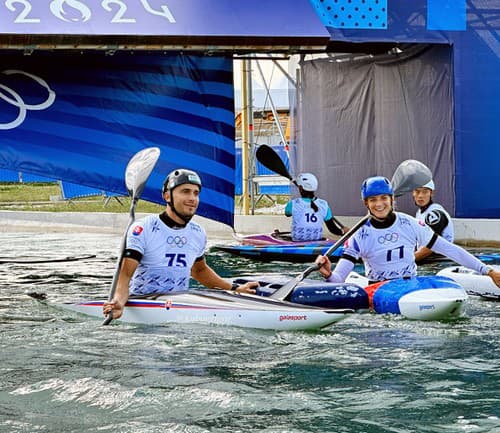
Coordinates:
41	196
37	196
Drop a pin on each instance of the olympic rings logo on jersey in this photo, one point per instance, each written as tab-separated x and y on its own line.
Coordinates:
388	238
180	241
13	98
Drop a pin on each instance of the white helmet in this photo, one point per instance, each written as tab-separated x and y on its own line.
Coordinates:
307	181
429	185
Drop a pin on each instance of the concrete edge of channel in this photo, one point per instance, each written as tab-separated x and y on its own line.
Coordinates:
468	232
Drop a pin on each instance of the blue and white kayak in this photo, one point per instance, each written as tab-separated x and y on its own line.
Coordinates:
473	282
420	298
217	307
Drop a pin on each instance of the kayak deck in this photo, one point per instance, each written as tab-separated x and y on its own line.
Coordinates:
474	283
218	307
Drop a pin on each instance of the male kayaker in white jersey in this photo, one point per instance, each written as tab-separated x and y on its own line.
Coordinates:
164	251
433	214
308	212
386	243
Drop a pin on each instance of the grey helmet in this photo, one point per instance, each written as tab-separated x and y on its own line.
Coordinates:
178	177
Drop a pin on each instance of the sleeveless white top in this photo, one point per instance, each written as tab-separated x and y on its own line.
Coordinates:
389	252
167	255
307	225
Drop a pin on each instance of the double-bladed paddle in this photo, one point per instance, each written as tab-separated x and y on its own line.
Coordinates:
137	173
410	174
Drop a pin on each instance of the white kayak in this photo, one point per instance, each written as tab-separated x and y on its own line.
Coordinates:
420	298
217	307
473	282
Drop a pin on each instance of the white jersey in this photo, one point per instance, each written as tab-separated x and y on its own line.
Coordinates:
433	216
388	253
307	225
167	255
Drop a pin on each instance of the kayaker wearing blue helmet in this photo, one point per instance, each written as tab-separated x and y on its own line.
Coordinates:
386	243
164	251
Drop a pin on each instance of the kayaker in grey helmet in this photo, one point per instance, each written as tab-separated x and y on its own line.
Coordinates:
164	251
386	242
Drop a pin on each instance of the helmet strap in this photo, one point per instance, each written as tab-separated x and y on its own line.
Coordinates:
170	203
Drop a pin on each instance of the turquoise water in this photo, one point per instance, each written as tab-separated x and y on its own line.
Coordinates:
61	372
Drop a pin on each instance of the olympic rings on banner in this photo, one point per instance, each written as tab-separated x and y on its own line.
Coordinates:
180	241
13	98
388	238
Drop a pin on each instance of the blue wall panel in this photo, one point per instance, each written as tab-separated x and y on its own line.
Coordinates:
353	14
446	15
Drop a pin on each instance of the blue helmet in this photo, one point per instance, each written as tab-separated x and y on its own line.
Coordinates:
375	186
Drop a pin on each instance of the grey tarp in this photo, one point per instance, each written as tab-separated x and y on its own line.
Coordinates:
362	118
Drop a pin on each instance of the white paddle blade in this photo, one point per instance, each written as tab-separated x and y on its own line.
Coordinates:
139	168
409	175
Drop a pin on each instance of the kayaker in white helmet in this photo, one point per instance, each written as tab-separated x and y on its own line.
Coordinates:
433	214
386	242
309	212
164	251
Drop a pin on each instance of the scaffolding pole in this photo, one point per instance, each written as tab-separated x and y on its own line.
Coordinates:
246	136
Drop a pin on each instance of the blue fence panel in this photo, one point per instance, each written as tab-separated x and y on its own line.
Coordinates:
261	170
72	190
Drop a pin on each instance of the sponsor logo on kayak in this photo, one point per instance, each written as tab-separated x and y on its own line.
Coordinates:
426	307
168	304
137	230
291	317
